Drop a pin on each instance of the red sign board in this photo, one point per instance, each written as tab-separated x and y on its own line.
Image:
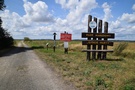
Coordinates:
65	37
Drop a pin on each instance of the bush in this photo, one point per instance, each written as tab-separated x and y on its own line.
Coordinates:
118	49
27	39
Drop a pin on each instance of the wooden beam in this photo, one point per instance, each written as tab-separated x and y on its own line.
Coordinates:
98	35
97	42
97	50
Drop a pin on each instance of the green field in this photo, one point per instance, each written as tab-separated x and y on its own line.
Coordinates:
115	73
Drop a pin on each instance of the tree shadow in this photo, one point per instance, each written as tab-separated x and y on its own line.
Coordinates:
118	59
37	47
16	50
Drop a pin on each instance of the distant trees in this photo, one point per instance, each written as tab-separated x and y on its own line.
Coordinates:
27	39
6	39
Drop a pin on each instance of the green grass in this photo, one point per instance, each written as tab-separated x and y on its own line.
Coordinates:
116	73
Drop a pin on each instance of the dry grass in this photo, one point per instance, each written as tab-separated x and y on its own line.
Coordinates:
116	73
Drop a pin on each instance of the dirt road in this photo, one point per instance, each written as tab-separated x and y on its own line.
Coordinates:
21	69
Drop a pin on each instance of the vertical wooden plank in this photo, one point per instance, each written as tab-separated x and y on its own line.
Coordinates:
94	46
105	31
89	30
99	46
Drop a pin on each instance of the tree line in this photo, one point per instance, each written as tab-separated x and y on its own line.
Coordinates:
6	40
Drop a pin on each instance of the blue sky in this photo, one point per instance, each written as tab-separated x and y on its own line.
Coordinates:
39	19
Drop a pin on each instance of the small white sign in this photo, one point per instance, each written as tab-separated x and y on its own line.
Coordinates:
92	24
65	44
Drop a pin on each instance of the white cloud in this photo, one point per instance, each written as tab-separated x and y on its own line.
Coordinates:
124	26
33	23
61	22
115	24
130	18
107	11
37	12
37	22
83	7
61	2
13	21
77	18
85	19
77	9
133	7
67	4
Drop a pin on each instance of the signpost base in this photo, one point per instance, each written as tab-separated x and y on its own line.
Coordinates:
66	50
54	48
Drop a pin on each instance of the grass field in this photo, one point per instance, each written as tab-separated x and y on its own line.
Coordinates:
115	73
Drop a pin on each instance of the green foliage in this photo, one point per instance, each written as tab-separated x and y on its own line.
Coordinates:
100	84
101	66
129	85
2	5
6	39
87	72
89	83
27	39
118	49
128	54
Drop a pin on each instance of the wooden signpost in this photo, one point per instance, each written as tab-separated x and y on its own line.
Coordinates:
66	37
97	40
54	41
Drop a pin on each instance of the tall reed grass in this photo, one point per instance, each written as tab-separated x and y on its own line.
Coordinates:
119	48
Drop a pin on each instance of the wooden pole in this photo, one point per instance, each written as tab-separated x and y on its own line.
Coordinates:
99	46
94	46
54	41
89	30
105	46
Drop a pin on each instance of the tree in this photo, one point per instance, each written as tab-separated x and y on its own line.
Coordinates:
27	39
2	5
6	39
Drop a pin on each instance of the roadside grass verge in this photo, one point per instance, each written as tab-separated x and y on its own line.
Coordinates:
116	73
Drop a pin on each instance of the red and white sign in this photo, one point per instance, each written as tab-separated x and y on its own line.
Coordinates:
65	37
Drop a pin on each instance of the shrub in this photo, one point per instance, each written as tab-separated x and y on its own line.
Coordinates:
27	39
118	49
100	84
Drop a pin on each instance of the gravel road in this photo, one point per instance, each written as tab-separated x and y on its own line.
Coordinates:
21	69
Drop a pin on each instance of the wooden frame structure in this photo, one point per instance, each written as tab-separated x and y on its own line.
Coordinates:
97	40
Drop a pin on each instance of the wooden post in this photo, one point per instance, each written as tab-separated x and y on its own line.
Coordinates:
99	46
89	30
94	46
54	41
105	46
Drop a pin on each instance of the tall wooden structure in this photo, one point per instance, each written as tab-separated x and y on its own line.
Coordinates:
97	39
